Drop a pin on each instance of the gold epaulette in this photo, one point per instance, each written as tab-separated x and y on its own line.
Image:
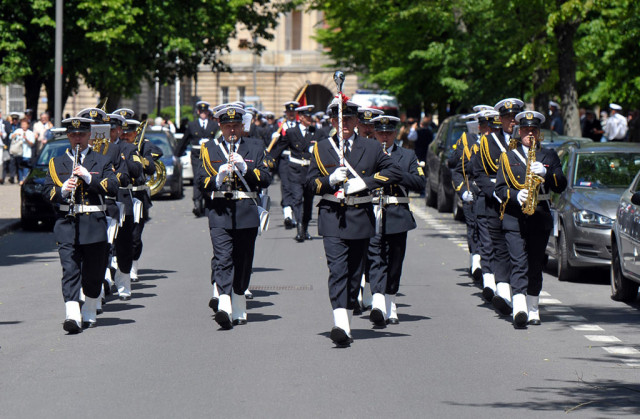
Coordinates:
485	155
53	174
323	170
508	173
204	155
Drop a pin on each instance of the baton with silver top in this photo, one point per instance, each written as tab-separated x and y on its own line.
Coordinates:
338	78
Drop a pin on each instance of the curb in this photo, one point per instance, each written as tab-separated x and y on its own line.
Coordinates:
9	227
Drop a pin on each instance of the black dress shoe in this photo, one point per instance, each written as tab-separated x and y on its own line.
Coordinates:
124	297
477	275
300	236
88	325
501	305
520	320
534	322
99	311
107	288
377	318
224	320
305	228
213	304
239	322
71	326
288	223
134	279
487	294
340	337
393	321
248	296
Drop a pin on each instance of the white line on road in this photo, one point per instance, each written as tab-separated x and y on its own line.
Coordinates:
621	350
602	338
570	318
587	328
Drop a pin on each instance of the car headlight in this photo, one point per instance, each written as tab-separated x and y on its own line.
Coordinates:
592	219
169	170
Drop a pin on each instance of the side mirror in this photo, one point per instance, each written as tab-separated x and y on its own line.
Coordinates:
635	198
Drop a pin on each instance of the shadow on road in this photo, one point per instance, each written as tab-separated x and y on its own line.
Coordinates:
259	269
10	322
26	247
253	304
259	317
113	321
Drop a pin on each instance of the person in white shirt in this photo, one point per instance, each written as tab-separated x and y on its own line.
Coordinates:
616	127
26	138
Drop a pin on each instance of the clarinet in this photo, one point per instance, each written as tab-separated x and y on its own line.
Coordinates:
72	198
228	193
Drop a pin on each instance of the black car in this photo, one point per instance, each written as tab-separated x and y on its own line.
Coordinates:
163	139
34	208
439	191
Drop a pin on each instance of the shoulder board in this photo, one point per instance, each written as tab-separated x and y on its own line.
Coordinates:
508	173
316	154
53	174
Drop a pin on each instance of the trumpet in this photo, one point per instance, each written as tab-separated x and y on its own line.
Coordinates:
72	198
229	186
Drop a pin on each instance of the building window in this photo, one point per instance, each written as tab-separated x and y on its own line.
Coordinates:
224	94
241	93
296	30
15	99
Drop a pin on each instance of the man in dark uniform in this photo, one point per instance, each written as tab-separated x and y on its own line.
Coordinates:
527	234
496	287
394	219
198	132
80	229
365	126
344	171
233	170
299	141
283	165
148	153
460	159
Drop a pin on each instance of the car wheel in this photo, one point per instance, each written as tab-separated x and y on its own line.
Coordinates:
429	195
622	288
565	271
28	224
179	192
458	212
444	205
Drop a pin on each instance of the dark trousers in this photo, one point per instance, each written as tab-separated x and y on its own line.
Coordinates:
136	239
526	249
501	263
345	259
484	244
232	258
302	202
285	182
469	210
10	167
196	164
124	245
385	257
82	269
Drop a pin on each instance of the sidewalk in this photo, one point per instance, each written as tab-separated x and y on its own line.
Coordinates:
9	207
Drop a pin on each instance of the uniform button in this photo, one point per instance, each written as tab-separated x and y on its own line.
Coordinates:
356	205
342	205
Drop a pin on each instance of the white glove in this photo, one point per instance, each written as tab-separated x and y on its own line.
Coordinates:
239	162
467	196
83	173
275	135
223	171
354	185
339	175
538	168
68	186
522	196
203	140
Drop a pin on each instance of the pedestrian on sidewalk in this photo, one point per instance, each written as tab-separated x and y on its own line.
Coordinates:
22	141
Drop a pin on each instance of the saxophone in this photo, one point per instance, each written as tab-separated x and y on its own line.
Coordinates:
531	182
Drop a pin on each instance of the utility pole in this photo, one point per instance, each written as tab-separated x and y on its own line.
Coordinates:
57	119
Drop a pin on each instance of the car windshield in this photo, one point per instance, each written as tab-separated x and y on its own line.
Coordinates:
52	149
605	170
376	101
161	140
455	133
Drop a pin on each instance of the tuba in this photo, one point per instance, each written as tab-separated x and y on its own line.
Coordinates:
159	178
531	182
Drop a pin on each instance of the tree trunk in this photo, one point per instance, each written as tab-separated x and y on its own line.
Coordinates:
541	98
32	86
567	72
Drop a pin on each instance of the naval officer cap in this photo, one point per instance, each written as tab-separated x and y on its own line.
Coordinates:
479	108
291	105
126	113
385	123
268	114
615	107
553	104
202	106
510	105
484	117
470	116
95	114
366	115
305	110
230	114
130	125
530	119
349	108
77	124
116	120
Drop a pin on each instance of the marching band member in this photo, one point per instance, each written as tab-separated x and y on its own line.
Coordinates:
343	172
527	234
77	183
394	219
197	133
233	170
365	124
289	123
496	287
299	141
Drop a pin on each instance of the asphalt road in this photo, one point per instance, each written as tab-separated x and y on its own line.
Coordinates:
161	355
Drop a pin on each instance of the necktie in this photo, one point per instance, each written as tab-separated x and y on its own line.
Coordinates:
202	123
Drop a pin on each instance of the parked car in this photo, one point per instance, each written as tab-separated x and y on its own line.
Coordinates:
187	169
597	175
551	139
377	100
439	192
34	208
625	245
167	143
